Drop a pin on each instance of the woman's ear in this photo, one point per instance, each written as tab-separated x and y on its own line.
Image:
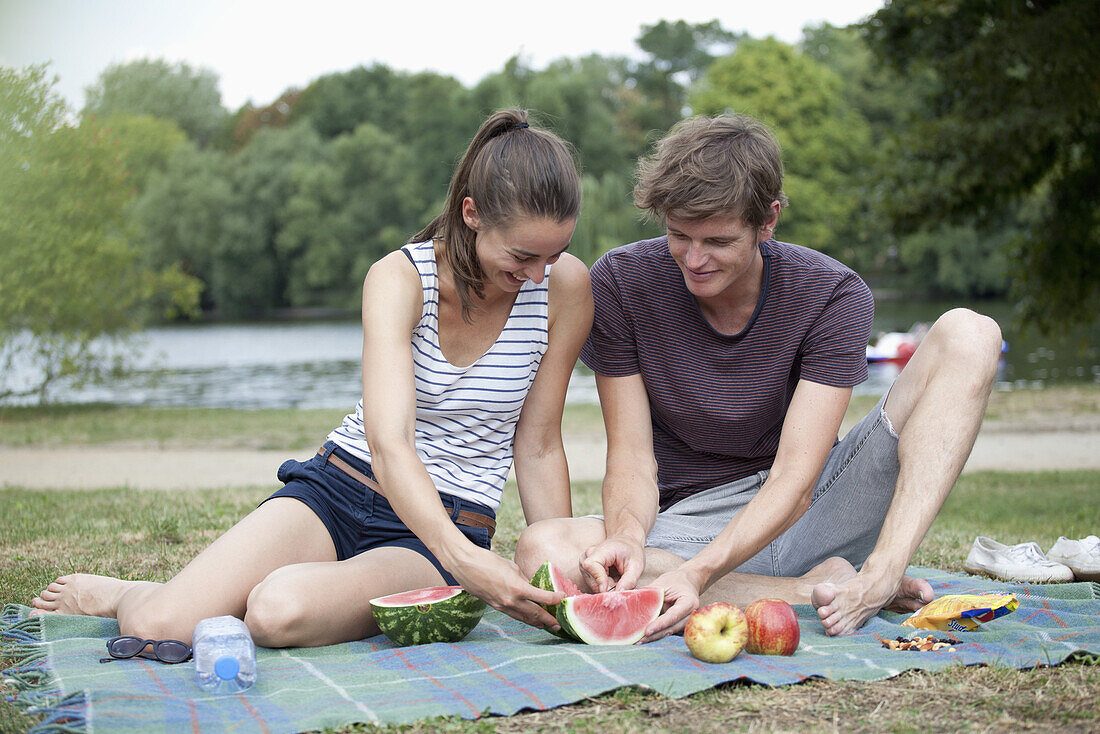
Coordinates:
469	214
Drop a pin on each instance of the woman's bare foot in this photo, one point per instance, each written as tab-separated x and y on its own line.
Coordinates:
845	607
83	593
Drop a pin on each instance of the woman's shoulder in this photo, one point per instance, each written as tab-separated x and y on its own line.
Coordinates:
570	291
397	264
393	281
569	274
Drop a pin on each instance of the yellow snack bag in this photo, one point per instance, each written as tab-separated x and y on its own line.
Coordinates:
962	612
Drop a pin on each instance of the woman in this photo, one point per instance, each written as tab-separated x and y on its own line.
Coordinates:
468	344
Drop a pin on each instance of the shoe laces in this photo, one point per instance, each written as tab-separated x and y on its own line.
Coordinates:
1029	552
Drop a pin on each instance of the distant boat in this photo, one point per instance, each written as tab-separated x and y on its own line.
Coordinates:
899	346
894	346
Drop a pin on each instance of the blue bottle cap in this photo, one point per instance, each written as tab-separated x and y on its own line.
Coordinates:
226	667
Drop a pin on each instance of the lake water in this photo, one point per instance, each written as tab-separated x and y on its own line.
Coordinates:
316	364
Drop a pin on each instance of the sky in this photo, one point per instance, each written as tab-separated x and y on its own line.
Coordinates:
259	48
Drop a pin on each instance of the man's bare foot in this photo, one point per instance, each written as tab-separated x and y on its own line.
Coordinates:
82	593
845	607
833	570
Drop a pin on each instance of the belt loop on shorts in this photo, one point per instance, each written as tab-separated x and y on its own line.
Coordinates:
463	517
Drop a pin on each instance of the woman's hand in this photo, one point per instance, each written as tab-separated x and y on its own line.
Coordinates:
681	599
616	563
499	583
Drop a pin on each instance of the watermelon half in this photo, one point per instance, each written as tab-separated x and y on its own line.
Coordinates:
610	618
435	614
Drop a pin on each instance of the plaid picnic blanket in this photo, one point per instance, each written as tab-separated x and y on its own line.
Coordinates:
502	667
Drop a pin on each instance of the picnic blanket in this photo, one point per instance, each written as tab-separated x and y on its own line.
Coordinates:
502	667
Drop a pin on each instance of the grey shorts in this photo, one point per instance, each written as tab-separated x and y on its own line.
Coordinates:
845	515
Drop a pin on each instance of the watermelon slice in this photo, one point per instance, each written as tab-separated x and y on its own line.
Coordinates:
610	618
550	578
435	614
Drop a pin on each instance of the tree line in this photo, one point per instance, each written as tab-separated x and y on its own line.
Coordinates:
920	148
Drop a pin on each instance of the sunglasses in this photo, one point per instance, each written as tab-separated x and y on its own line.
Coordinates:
128	646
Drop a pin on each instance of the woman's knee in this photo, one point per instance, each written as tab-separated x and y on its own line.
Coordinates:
560	541
275	611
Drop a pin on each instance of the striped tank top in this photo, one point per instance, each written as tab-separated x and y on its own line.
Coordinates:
466	416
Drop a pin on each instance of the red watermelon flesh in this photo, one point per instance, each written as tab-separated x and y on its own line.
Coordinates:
610	618
419	596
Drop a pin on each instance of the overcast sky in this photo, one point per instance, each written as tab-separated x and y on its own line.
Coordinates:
260	48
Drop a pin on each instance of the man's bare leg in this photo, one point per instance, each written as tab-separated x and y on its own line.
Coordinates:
563	541
742	589
218	581
936	406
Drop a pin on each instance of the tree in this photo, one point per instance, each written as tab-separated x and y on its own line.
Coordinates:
432	114
680	53
145	145
1013	124
348	209
953	260
221	215
824	141
188	97
577	98
185	215
246	121
71	284
608	218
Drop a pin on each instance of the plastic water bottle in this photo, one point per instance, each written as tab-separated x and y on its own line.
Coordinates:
225	656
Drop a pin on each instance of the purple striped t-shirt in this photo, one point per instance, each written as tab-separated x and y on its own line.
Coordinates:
717	402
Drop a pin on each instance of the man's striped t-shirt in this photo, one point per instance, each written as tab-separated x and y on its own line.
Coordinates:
717	401
466	416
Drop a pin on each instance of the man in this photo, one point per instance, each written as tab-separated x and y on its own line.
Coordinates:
725	361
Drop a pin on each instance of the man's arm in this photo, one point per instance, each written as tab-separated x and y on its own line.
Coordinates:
809	432
629	488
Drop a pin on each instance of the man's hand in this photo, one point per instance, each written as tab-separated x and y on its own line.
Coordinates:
616	563
681	599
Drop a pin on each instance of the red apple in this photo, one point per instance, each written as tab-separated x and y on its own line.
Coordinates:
773	627
716	633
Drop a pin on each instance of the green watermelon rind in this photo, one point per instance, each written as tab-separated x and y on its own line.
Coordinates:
446	620
571	626
543	579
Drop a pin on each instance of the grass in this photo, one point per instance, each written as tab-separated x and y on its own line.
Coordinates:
151	534
299	429
84	425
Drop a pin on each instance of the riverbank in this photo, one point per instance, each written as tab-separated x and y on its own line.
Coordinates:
105	447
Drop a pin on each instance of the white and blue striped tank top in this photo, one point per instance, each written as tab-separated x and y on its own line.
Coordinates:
466	416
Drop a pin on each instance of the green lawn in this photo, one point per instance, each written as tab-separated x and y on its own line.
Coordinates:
150	535
198	427
297	429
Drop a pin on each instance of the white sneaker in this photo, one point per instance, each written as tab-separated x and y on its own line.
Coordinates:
1023	562
1082	556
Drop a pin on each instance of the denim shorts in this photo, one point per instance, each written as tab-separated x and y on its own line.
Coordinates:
357	517
846	512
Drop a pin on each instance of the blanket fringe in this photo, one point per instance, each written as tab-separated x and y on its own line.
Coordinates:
66	716
33	688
